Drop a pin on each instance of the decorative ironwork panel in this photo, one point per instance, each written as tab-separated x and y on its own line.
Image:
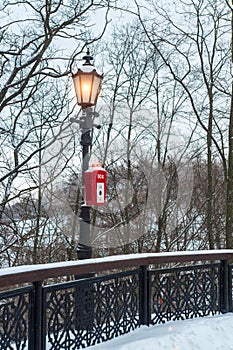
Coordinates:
15	319
185	292
89	311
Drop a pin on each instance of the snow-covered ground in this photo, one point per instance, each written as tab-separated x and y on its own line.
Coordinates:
207	333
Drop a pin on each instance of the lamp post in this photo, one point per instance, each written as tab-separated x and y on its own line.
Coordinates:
87	84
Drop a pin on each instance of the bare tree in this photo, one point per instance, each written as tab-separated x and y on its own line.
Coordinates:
144	109
39	43
193	42
229	196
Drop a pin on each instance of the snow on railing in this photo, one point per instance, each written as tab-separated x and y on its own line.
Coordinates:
109	296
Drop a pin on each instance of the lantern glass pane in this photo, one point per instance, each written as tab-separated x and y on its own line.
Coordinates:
86	87
76	80
95	89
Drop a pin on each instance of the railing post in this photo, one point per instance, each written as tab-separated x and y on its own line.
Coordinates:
144	305
225	287
230	287
38	315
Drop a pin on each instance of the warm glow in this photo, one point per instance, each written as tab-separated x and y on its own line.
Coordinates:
87	87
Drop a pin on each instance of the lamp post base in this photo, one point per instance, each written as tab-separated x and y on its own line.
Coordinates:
84	251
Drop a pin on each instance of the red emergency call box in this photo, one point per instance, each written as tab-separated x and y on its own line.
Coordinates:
95	179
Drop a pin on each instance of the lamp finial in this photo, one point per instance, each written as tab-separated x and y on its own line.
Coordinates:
88	58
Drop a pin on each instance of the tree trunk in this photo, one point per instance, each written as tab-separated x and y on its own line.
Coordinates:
229	197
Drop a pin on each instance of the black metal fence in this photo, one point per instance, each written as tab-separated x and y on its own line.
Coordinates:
184	292
84	312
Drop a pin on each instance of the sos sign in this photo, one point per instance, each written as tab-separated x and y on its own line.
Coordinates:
95	179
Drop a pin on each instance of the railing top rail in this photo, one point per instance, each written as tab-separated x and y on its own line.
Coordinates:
31	273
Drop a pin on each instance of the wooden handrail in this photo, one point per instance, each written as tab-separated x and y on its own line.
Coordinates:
32	273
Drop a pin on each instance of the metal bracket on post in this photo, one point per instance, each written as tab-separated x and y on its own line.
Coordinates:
86	121
144	305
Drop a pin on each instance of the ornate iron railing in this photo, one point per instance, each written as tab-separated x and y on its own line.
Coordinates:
184	292
16	318
85	312
95	308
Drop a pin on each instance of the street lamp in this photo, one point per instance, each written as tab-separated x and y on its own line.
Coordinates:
87	84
